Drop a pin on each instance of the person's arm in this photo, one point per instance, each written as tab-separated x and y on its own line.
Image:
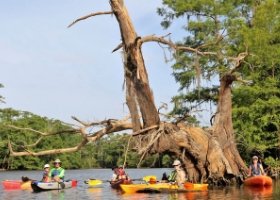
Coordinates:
262	171
50	173
182	177
250	171
114	177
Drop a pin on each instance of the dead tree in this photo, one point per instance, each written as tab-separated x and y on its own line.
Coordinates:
207	154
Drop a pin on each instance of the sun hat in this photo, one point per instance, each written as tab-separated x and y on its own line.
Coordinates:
176	162
46	166
57	161
255	157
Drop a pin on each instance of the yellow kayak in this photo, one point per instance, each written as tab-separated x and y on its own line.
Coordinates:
133	188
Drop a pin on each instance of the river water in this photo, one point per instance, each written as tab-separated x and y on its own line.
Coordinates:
82	191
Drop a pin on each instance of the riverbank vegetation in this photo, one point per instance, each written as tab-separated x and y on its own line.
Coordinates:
105	153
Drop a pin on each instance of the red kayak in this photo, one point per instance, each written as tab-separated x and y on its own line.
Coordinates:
16	185
258	181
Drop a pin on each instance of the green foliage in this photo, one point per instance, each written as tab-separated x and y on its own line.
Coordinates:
106	152
229	28
256	110
274	163
211	26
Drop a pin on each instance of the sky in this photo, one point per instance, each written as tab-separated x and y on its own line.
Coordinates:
59	72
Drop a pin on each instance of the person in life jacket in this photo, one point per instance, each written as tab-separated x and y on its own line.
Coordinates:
57	173
122	173
178	175
115	176
46	172
255	169
119	174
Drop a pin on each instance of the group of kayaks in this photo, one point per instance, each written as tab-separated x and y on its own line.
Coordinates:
127	186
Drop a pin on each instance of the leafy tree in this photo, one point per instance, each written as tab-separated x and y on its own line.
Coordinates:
256	107
236	41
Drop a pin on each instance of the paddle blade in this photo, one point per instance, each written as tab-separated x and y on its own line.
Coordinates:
94	182
149	178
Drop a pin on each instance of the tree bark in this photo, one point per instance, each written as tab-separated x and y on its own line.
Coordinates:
223	127
135	71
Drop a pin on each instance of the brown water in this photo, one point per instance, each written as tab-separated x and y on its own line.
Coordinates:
105	192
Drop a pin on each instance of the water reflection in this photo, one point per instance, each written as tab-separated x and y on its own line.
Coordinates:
257	193
56	194
188	196
168	196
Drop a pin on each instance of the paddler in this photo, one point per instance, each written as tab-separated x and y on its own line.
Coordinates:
57	173
256	168
178	175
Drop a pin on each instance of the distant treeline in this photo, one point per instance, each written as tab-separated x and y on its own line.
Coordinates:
105	153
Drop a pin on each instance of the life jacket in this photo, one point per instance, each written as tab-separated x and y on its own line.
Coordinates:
122	174
256	170
57	172
46	177
172	176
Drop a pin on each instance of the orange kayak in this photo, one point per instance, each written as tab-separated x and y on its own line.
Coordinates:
195	186
258	181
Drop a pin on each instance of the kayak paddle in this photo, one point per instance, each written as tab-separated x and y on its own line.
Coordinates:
93	182
96	182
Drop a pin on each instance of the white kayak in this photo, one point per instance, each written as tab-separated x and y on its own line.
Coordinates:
39	186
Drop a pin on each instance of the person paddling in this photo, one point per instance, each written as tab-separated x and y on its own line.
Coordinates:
57	173
115	176
119	174
178	175
256	169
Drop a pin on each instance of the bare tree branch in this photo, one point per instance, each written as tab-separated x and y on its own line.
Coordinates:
47	152
88	16
110	126
162	40
35	143
118	47
237	61
72	131
144	130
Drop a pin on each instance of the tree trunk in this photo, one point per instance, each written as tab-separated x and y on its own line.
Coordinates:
223	127
135	71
